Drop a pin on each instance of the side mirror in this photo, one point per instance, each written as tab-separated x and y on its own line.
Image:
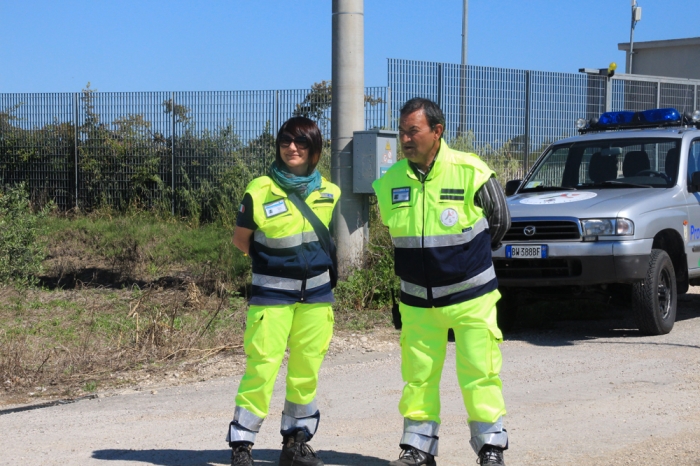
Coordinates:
694	182
513	185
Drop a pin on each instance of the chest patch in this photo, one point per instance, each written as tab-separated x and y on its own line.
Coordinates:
327	195
400	195
275	208
449	217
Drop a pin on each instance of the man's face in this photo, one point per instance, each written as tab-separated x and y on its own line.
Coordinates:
418	141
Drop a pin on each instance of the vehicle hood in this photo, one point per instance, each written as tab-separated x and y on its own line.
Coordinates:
589	203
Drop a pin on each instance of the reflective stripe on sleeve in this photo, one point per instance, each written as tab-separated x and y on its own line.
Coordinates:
287	241
290	284
414	242
441	291
481	279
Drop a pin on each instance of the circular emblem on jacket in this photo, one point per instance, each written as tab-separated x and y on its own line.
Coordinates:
449	217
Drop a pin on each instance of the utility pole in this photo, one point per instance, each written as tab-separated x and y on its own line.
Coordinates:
348	115
461	128
636	17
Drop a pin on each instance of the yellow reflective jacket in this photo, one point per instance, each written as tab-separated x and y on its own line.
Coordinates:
442	246
289	264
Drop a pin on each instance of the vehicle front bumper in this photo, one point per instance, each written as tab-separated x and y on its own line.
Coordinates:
576	263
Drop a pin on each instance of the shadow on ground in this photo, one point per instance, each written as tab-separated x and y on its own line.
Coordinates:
171	457
563	322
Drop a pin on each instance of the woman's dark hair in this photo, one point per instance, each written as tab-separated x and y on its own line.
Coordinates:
302	126
431	110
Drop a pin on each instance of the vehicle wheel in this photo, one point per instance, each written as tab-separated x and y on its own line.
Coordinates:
654	298
507	308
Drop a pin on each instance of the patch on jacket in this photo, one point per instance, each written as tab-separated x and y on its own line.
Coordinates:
327	195
400	195
448	194
275	208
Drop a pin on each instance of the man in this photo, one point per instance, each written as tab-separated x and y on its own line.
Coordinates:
445	212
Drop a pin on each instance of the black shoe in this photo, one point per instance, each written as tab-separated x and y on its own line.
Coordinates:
241	455
413	457
295	451
490	455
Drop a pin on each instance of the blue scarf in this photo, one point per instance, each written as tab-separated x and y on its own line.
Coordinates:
302	185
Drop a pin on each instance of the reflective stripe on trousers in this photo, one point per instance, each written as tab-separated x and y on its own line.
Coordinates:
422	435
441	291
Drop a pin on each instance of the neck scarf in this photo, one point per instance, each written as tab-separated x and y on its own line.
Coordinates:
302	185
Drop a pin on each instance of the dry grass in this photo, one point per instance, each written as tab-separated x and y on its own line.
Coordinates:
68	342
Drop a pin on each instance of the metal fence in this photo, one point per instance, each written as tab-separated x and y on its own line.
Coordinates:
93	148
89	148
509	116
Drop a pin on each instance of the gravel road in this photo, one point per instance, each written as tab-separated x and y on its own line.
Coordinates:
578	393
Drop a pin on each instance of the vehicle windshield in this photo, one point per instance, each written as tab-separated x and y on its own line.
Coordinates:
607	164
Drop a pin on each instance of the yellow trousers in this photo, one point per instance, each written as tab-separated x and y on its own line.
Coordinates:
306	329
423	349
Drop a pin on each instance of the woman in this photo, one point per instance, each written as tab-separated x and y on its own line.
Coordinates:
291	297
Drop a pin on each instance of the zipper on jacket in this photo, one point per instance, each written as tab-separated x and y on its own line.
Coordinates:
429	293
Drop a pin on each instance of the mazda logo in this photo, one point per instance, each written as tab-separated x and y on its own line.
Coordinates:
529	230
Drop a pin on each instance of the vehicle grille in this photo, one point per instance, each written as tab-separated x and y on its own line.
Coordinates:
545	230
537	268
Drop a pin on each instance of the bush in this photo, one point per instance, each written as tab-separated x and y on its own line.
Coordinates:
21	252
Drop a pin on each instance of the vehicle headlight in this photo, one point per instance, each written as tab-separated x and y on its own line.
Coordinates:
607	227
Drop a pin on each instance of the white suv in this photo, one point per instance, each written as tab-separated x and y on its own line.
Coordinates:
614	210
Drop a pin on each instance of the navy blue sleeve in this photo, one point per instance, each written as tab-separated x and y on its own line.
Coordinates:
245	217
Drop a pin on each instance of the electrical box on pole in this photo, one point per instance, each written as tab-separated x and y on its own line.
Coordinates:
374	151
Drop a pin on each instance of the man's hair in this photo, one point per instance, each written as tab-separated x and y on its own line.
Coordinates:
431	110
302	126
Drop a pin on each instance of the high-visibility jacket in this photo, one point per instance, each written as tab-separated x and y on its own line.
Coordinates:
289	264
442	246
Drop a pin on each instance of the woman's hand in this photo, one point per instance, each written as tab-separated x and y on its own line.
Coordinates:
242	238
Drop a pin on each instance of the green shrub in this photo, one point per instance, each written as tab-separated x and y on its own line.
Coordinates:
21	251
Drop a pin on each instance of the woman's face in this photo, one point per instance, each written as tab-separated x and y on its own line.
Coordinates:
294	152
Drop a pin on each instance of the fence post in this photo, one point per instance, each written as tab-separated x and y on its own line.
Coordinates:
608	94
439	86
387	114
75	145
276	116
526	153
658	94
172	154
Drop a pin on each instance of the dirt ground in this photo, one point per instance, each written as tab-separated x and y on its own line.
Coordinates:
578	392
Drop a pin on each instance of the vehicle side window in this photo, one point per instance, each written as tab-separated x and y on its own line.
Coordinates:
693	158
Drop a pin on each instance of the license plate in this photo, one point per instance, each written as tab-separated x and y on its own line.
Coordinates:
538	251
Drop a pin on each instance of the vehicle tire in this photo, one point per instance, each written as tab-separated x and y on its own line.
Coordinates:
507	308
654	299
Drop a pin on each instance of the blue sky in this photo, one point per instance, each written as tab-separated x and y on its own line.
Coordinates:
178	45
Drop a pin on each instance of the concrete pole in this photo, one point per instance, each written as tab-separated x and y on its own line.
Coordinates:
348	115
462	127
465	27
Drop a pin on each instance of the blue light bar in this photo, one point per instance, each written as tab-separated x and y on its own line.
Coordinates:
656	117
615	118
660	115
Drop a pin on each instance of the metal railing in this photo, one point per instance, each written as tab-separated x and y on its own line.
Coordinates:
510	116
89	148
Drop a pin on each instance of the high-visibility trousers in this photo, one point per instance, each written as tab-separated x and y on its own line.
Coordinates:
423	350
307	329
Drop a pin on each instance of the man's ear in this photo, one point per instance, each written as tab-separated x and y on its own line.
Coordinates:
438	130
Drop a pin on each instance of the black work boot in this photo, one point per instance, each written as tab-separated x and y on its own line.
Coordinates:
241	454
295	451
490	455
413	457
